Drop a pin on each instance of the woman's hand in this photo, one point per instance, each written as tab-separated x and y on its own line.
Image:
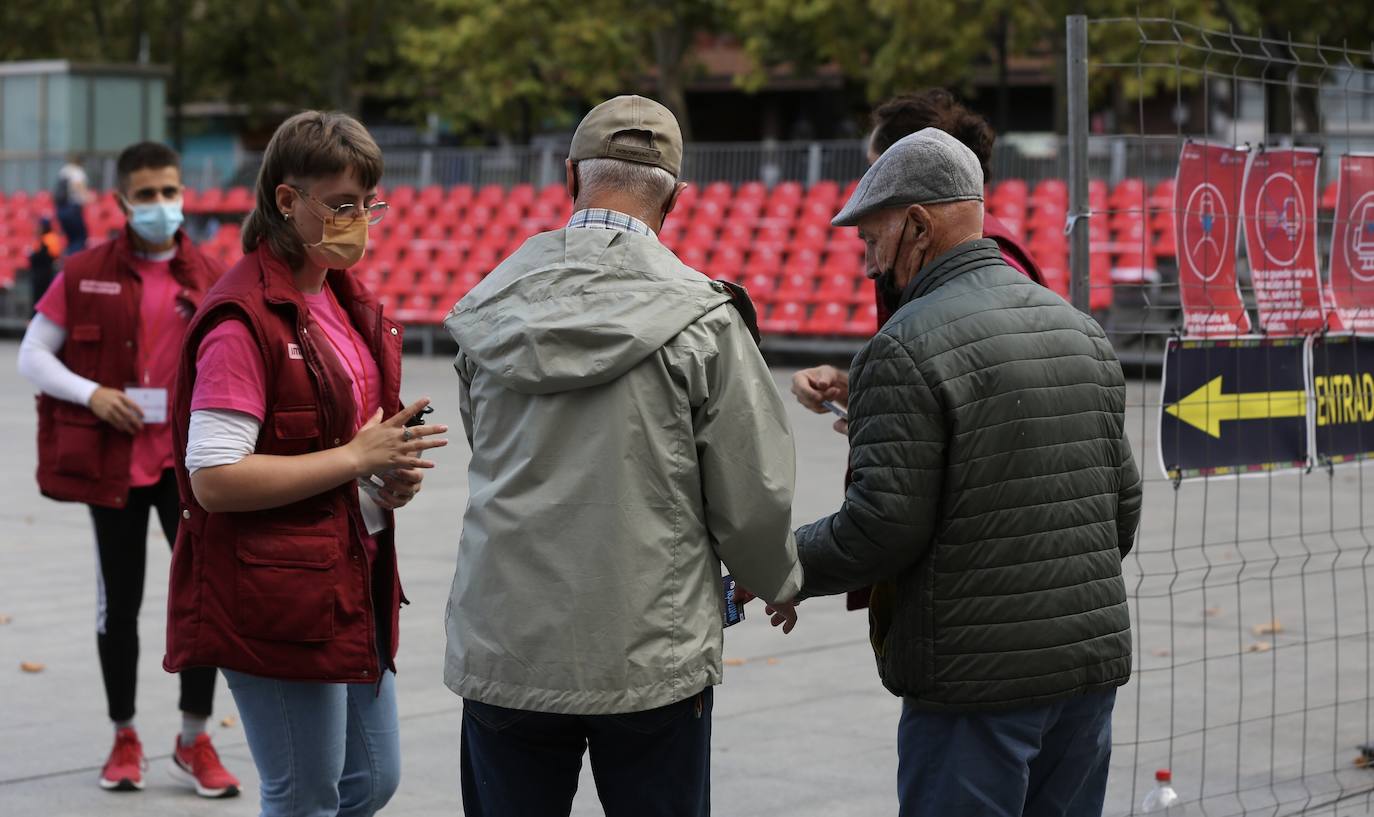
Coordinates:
388	445
399	487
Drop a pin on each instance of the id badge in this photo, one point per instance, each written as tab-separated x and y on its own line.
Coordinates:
734	613
152	402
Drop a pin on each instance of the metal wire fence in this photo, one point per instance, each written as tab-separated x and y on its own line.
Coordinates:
1249	587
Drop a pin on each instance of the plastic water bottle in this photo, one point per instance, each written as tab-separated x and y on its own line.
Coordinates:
1162	799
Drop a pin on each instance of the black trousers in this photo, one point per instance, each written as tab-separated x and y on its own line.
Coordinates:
121	539
655	763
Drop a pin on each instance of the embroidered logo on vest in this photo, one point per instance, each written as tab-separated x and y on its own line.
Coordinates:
99	287
293	351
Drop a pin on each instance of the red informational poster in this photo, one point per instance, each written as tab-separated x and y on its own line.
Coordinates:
1207	221
1280	205
1352	245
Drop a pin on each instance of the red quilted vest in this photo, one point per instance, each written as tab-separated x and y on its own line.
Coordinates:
286	593
80	458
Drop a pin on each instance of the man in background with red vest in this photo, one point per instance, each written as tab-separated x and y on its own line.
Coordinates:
102	350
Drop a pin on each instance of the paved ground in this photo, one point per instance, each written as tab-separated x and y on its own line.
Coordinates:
802	727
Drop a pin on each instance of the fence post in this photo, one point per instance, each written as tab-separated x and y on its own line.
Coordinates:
546	171
1077	227
426	174
813	164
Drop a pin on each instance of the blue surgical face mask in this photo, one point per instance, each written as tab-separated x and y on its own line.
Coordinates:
156	223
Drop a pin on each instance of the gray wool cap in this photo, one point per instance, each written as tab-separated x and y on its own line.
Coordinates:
926	167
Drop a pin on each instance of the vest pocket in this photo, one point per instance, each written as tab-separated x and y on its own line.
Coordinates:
80	438
285	589
297	431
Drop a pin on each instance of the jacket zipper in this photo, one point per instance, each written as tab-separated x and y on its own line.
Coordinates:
370	612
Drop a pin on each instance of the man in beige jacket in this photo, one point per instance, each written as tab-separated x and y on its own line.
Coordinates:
627	438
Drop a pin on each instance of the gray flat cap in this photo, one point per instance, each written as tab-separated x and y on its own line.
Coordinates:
927	167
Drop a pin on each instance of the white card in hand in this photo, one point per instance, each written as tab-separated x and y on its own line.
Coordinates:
153	403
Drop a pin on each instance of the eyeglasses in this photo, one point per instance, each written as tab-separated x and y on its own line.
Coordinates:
346	214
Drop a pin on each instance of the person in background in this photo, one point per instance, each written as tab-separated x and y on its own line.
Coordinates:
102	350
626	439
43	260
898	117
293	450
70	197
994	494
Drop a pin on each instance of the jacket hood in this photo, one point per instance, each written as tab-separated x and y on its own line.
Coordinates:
572	309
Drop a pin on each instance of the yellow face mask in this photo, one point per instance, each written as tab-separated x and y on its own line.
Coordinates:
340	247
344	240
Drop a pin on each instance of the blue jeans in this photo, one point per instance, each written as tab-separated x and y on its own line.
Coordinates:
655	763
1043	761
321	749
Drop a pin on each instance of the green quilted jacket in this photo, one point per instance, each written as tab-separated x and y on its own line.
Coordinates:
993	496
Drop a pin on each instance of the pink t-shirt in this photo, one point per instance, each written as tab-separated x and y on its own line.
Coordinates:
230	373
161	330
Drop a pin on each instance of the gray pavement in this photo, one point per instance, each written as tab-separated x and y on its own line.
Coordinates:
802	726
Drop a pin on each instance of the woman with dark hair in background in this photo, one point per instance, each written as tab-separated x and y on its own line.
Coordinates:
899	117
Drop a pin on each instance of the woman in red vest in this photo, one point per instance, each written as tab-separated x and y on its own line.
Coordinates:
293	452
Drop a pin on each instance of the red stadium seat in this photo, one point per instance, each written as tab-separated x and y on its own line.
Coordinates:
783	319
797	286
841	288
827	319
762	288
863	323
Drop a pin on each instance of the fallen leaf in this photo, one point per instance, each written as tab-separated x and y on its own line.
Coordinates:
772	662
1212	612
229	722
4	619
31	666
1160	652
1270	628
734	662
1260	646
1361	762
28	520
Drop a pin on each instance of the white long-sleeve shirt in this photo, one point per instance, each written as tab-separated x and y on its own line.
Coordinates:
40	365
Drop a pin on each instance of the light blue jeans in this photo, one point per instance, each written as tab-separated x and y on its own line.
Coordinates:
321	749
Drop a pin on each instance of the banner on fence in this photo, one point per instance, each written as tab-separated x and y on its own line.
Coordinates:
1234	406
1352	244
1343	388
1280	206
1207	207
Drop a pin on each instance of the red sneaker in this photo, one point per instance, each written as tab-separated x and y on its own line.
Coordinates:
124	770
198	765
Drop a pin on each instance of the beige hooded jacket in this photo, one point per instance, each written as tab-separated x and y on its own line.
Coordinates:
626	438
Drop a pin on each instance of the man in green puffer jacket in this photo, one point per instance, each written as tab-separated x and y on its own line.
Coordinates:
994	494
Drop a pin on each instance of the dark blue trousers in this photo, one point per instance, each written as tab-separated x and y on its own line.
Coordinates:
1043	761
655	763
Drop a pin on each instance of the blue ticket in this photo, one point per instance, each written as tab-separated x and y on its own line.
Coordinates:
734	613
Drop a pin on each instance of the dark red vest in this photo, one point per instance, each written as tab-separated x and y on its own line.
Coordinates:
288	592
80	458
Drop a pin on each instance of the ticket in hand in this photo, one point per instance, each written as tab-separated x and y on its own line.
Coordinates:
734	613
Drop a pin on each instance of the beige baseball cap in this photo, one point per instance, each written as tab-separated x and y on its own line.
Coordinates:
593	138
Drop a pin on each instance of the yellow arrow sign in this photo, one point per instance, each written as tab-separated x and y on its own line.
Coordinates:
1207	408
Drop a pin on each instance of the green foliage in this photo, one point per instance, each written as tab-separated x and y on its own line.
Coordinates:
521	65
512	64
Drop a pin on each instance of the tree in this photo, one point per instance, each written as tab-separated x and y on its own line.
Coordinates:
259	53
516	64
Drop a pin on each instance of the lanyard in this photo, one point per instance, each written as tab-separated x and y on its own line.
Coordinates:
358	374
153	329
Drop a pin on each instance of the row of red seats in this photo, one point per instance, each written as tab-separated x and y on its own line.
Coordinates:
807	276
